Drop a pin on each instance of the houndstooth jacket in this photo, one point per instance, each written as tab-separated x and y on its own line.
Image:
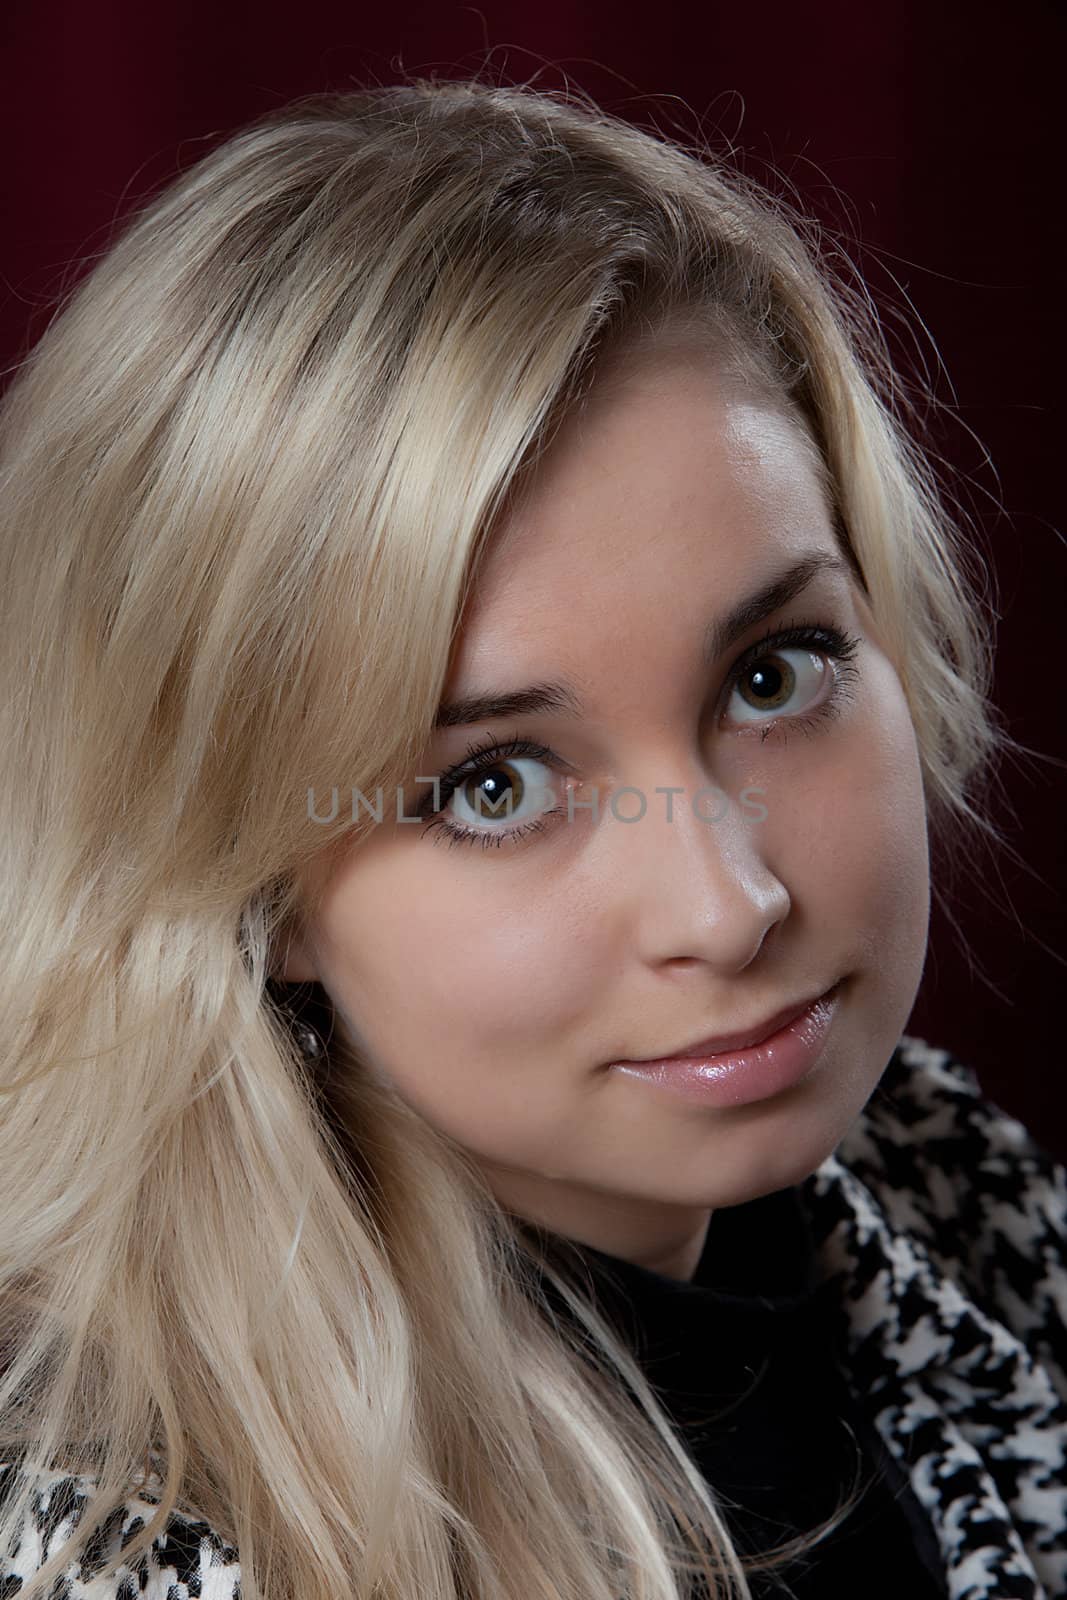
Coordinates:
943	1226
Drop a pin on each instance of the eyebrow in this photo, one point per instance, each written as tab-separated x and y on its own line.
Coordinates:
560	698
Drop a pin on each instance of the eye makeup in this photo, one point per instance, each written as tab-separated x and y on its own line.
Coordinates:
485	758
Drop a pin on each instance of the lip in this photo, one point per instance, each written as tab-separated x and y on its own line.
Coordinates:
751	1073
722	1043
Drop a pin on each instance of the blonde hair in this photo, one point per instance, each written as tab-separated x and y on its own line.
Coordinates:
248	474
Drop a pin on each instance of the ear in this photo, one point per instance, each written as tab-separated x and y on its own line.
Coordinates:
293	962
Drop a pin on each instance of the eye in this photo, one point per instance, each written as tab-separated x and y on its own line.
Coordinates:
784	682
497	783
784	676
512	790
792	680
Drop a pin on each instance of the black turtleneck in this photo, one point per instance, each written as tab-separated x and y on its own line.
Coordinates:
744	1358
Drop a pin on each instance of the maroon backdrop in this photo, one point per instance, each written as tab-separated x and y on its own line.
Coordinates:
925	137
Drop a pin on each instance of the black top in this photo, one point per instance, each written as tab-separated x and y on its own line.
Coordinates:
745	1359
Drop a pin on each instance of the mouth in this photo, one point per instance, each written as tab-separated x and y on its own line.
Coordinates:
743	1038
759	1070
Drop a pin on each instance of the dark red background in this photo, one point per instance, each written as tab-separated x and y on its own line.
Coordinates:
926	137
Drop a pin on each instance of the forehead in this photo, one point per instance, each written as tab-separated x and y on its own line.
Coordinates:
669	462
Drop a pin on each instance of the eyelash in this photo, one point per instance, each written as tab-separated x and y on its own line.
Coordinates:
830	641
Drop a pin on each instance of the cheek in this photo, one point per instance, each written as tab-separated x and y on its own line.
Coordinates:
886	806
450	985
444	945
846	830
879	837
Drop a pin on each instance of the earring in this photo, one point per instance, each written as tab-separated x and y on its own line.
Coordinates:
290	1001
308	1042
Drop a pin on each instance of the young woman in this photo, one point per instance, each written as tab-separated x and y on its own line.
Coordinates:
454	465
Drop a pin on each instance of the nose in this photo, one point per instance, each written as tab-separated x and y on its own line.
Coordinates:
690	875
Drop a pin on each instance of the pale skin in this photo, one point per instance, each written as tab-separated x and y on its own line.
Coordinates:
500	983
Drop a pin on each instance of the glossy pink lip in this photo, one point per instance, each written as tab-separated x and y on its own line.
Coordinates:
720	1044
748	1073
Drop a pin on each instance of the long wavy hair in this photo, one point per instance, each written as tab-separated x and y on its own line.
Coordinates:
247	476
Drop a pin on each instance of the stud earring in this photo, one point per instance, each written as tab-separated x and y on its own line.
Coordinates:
308	1041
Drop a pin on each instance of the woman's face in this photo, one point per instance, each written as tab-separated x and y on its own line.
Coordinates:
493	986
